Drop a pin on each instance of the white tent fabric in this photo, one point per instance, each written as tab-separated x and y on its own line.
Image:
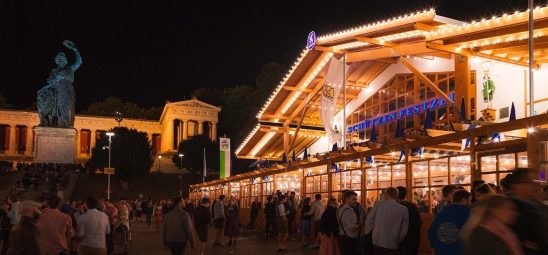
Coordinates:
330	95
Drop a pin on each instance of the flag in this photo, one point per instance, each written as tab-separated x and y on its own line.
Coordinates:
284	159
224	144
399	129
305	154
329	97
462	110
334	148
205	168
512	113
428	121
373	137
402	154
293	157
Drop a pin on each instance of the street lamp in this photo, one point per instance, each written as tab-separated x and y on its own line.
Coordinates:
159	158
110	135
181	155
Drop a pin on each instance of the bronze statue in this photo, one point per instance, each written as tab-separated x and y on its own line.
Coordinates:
56	100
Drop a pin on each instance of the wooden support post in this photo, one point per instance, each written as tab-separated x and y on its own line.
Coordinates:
364	182
286	141
463	87
291	147
474	169
329	179
408	174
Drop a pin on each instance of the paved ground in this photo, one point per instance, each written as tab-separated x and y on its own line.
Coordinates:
148	241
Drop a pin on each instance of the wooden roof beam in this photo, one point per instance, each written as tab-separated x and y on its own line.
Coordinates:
424	27
469	53
428	82
388	52
375	41
327	49
296	89
309	97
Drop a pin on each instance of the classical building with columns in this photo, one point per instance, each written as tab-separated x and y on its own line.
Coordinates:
179	121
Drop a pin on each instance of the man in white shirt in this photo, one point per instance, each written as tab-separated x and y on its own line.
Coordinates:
348	224
93	226
318	208
282	223
389	222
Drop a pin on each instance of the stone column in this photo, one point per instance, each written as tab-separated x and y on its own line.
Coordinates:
30	138
185	130
209	130
13	142
200	127
213	131
92	139
179	132
78	142
168	135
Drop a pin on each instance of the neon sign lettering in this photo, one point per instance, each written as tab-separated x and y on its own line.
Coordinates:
430	105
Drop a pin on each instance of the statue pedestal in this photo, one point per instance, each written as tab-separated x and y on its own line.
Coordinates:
54	145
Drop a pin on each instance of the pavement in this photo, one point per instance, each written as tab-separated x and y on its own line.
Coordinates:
146	240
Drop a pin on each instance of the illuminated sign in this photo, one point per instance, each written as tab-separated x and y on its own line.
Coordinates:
402	113
311	41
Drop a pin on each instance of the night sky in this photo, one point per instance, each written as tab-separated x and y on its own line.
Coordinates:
151	51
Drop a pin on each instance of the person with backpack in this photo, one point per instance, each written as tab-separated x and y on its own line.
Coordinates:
349	225
270	217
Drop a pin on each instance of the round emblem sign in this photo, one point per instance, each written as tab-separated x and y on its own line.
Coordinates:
311	41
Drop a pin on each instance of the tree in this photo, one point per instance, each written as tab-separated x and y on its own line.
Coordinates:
268	78
131	153
193	151
128	109
3	102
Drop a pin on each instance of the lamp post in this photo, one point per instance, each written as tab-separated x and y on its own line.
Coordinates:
110	135
159	159
181	155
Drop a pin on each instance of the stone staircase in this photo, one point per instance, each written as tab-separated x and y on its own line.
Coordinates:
166	165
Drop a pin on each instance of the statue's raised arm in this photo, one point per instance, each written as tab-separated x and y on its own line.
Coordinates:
78	62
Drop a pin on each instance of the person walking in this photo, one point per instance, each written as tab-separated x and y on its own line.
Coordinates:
24	237
232	228
12	212
329	229
219	220
444	233
291	205
254	213
112	212
177	230
493	234
92	228
202	219
349	225
281	222
528	226
306	217
318	208
55	228
411	243
121	229
270	217
389	223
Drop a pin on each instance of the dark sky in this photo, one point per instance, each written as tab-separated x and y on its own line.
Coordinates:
154	50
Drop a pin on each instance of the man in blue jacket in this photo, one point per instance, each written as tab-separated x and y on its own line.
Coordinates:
444	233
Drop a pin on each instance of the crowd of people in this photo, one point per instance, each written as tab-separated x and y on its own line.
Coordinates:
511	219
508	219
46	178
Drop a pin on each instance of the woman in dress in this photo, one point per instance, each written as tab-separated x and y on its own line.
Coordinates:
232	228
159	215
121	230
329	228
